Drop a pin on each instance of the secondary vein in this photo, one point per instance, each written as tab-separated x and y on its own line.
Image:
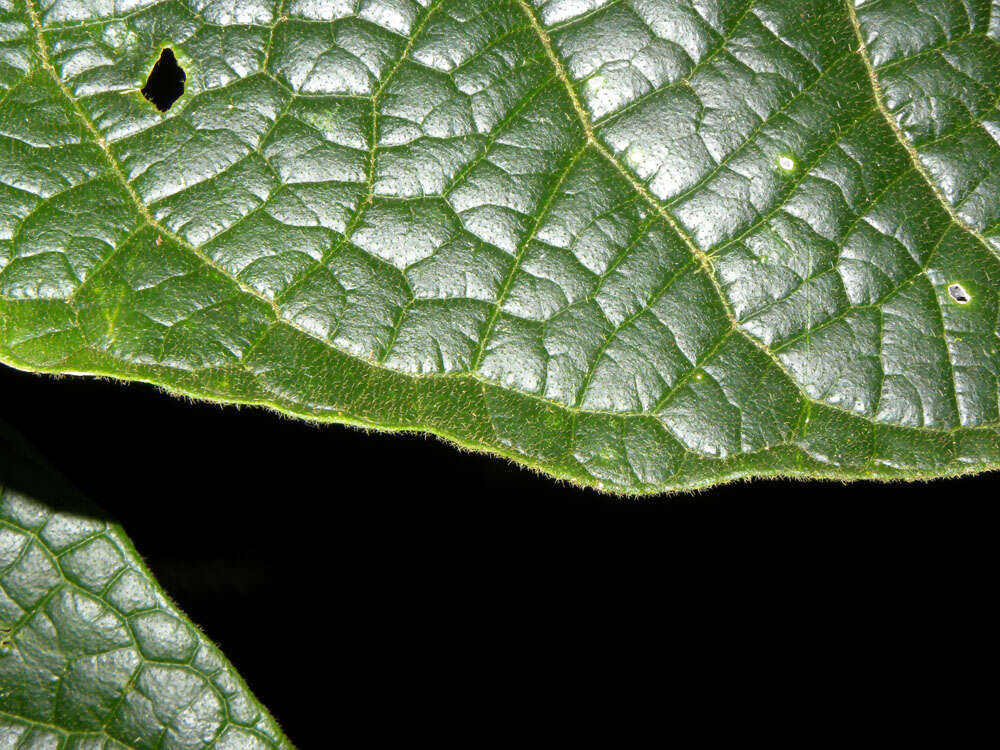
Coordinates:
905	142
700	255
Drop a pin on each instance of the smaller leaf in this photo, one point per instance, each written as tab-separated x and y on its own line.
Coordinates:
91	648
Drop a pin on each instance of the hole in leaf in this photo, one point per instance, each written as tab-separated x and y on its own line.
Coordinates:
958	293
166	81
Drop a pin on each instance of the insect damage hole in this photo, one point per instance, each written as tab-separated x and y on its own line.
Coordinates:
958	293
166	81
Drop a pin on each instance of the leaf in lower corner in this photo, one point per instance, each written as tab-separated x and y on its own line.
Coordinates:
92	649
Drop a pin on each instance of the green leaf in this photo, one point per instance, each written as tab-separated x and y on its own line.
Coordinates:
639	245
92	652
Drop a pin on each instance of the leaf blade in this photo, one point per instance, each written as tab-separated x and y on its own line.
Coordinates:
532	245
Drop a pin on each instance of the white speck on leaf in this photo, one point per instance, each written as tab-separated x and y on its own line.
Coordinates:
635	155
958	293
786	163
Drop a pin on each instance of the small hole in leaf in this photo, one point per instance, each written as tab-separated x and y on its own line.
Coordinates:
166	81
958	293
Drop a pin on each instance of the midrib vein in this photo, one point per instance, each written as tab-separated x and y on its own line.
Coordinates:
905	142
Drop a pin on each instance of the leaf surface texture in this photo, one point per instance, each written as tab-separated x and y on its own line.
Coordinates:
642	245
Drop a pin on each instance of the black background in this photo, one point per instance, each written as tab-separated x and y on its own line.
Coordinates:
381	590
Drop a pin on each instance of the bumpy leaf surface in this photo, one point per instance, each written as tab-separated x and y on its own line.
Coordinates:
92	653
640	244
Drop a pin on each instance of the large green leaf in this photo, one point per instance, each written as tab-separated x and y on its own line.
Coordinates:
641	245
92	652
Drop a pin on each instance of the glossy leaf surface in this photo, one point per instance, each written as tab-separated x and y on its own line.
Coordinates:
92	652
644	245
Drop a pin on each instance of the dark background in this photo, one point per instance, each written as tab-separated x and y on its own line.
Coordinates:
387	590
